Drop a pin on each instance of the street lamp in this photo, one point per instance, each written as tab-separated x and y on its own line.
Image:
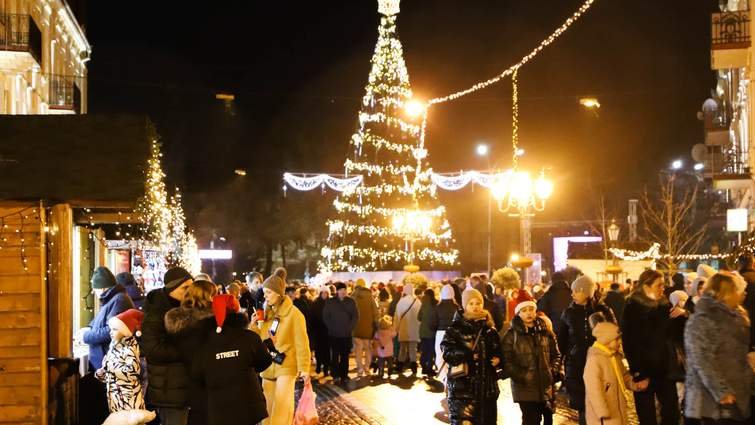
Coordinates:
677	164
699	166
412	225
414	108
589	102
240	172
484	150
613	236
518	194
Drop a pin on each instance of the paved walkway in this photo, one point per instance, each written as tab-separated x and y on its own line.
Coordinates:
369	401
405	400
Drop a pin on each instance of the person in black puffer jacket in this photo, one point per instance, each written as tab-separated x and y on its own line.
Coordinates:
190	325
472	396
228	365
532	361
645	333
166	372
556	299
575	338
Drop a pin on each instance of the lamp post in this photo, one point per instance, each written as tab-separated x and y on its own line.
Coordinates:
519	195
484	150
613	235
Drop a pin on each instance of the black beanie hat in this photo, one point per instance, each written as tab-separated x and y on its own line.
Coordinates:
175	277
125	279
103	278
678	280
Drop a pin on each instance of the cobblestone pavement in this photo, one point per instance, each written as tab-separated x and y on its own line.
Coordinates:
404	400
416	401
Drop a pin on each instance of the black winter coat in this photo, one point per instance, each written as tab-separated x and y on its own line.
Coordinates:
340	316
531	360
616	301
443	315
554	302
228	365
473	396
645	332
166	372
574	339
319	330
189	328
495	313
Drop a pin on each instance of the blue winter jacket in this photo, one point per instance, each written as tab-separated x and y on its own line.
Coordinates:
113	302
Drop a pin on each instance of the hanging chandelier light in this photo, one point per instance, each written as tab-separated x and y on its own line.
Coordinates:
518	194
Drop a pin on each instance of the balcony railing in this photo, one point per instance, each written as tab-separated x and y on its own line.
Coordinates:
725	163
19	33
64	92
731	30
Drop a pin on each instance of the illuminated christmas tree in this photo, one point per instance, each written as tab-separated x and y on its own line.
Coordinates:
387	152
164	220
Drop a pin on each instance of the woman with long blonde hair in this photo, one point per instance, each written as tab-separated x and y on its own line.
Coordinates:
284	333
717	340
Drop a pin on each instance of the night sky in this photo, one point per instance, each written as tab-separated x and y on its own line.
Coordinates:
298	71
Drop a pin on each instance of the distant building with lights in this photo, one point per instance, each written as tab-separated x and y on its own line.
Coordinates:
725	157
43	58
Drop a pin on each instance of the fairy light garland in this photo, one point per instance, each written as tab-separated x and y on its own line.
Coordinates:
654	253
165	228
531	55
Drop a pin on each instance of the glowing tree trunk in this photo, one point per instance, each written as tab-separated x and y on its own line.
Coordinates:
387	152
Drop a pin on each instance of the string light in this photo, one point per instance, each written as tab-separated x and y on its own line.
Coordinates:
531	55
164	220
654	253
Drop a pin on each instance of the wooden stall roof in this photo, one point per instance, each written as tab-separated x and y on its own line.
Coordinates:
79	159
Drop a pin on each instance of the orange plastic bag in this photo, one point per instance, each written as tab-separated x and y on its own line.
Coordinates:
306	412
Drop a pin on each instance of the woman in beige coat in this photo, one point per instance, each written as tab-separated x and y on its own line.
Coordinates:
607	382
290	338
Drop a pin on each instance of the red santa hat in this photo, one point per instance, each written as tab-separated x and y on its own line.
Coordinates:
130	321
221	304
523	299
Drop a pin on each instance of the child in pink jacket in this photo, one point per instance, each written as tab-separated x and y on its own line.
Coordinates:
384	341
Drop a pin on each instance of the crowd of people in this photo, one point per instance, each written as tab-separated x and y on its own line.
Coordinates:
217	354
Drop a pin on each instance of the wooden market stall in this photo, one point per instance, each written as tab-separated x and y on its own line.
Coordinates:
56	172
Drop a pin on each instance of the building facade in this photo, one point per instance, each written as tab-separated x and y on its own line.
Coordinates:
43	58
727	115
